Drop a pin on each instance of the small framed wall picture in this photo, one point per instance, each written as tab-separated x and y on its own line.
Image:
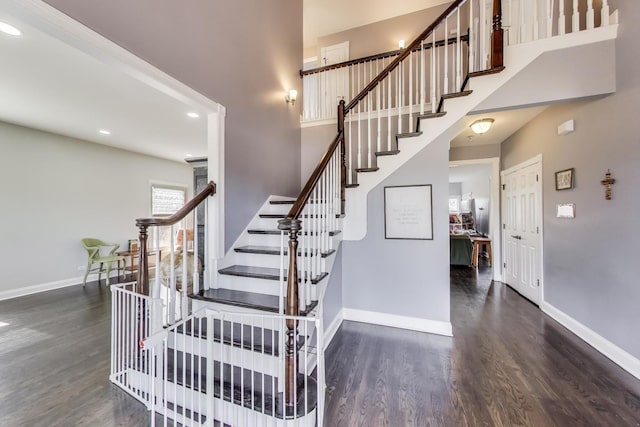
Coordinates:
564	179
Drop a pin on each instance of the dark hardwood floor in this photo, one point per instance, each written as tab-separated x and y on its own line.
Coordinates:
508	364
54	362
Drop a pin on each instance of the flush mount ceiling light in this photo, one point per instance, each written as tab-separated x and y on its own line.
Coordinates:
9	29
104	132
481	126
193	115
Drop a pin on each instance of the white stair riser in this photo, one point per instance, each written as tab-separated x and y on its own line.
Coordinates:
249	284
255	361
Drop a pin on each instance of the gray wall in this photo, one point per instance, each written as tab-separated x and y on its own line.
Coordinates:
455	189
315	141
244	54
473	152
333	294
403	277
590	262
380	36
57	190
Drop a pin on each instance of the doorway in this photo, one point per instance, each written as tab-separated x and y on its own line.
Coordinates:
487	208
522	228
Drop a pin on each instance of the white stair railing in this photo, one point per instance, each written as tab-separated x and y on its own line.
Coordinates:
216	366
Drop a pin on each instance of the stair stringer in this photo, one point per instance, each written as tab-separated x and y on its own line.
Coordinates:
516	59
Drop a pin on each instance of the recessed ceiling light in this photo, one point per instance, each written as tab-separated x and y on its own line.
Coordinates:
9	29
104	132
193	115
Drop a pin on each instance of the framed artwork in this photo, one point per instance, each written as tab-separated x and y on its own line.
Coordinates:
564	179
408	212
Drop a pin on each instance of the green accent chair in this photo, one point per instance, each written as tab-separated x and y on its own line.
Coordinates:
95	249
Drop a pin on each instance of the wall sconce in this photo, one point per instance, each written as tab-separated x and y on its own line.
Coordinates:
400	44
291	96
481	126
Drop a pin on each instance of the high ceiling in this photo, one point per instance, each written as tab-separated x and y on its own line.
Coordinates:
322	17
48	85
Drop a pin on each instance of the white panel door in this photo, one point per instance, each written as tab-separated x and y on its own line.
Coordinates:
522	217
334	83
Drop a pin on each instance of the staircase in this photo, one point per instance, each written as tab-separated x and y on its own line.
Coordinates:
247	349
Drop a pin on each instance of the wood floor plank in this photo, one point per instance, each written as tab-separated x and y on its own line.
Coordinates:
508	364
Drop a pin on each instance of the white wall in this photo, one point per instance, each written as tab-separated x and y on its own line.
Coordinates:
57	190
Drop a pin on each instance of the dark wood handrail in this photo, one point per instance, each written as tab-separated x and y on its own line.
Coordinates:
439	43
406	52
303	198
209	190
143	224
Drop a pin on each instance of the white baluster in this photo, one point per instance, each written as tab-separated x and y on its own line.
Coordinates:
591	15
379	135
484	53
410	89
536	23
446	56
471	40
604	14
399	95
458	53
575	21
549	17
369	107
562	22
422	78
521	24
388	77
172	281
433	72
196	273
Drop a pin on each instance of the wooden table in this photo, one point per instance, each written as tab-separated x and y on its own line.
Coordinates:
134	256
477	242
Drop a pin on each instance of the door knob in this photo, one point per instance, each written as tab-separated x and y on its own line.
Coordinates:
517	237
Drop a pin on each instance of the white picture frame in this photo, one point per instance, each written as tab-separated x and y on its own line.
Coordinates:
408	212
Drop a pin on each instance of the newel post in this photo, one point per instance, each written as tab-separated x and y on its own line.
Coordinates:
292	308
343	156
142	287
497	36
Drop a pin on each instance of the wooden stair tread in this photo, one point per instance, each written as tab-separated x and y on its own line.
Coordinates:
366	169
252	300
266	273
272	250
457	94
493	70
408	134
387	153
281	202
352	185
277	232
432	115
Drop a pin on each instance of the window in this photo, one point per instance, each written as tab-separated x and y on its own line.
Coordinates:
166	200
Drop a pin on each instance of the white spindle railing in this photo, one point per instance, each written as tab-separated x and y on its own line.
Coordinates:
224	367
131	322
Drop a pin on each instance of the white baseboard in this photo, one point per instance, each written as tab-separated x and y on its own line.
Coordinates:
330	332
28	290
620	357
395	321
